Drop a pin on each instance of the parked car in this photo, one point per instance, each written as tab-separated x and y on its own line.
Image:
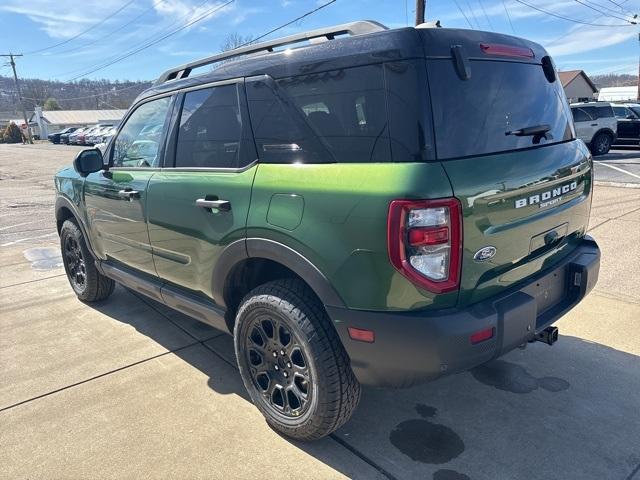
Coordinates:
73	137
55	137
359	225
596	125
628	117
83	137
64	138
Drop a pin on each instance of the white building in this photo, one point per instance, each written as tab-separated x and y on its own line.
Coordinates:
44	122
616	94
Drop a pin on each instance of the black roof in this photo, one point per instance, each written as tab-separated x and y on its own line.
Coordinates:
364	49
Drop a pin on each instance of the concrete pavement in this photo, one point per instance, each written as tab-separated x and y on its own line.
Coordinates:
130	389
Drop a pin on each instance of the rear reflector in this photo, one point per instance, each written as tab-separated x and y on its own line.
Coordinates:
428	236
481	336
362	335
506	50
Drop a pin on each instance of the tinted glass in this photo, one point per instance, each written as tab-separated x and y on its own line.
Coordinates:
210	133
410	126
337	116
471	117
604	112
591	111
579	115
138	142
620	112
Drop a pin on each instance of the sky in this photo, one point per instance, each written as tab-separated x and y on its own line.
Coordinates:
87	34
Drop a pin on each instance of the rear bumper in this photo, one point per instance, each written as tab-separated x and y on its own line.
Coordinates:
416	346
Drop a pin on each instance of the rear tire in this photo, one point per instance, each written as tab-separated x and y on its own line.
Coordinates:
292	362
87	282
601	144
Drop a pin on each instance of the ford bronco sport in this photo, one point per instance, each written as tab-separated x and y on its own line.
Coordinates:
374	207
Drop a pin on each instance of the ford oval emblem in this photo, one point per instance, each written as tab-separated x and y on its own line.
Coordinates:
484	254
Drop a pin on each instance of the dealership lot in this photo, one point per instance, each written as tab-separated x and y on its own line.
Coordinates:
129	388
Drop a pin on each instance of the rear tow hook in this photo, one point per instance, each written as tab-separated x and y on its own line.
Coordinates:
549	336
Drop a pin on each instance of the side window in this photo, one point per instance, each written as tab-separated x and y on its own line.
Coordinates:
591	111
211	129
620	112
336	116
604	112
139	140
579	115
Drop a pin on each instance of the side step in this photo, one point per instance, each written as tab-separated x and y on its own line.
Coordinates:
191	305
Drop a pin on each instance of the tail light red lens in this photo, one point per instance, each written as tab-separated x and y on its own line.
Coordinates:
506	50
424	240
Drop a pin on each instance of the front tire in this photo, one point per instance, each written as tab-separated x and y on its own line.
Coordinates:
292	362
87	282
601	144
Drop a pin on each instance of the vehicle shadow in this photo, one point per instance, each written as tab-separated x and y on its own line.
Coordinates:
568	411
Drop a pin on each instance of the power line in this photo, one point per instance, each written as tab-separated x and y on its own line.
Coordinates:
485	15
108	92
473	13
600	11
508	16
619	11
84	31
150	44
310	12
463	14
107	35
557	15
154	35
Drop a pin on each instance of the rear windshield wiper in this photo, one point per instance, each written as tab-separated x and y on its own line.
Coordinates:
538	132
530	131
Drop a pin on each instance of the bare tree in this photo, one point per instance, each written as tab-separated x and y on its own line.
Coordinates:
235	40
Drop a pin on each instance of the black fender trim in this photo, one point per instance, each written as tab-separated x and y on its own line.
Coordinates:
271	250
64	202
300	265
233	253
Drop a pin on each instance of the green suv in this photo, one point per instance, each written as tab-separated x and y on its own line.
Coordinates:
356	205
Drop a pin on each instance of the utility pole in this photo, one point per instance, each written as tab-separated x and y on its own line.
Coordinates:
17	84
420	7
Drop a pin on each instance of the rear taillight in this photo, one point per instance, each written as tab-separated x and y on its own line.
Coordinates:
425	242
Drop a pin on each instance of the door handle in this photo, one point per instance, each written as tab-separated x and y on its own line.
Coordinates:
594	124
222	205
128	193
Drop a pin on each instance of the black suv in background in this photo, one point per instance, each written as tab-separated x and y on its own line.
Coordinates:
628	116
55	137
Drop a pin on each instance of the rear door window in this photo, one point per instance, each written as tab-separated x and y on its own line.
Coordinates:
472	117
336	116
579	115
212	133
604	112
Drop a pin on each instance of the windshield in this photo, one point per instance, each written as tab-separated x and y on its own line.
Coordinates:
481	115
636	110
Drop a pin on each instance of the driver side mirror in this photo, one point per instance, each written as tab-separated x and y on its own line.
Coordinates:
88	161
631	116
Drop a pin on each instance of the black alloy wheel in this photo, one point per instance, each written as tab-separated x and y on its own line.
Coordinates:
278	367
77	269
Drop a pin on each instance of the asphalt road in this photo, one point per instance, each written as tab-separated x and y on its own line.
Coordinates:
620	165
130	389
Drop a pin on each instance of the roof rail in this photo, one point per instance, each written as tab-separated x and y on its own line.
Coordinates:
352	28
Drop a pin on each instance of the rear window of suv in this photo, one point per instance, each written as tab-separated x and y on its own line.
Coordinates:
472	117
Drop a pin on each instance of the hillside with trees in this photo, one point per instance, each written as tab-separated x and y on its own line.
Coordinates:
614	80
80	95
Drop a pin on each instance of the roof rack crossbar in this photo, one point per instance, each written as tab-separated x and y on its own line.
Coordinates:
352	28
